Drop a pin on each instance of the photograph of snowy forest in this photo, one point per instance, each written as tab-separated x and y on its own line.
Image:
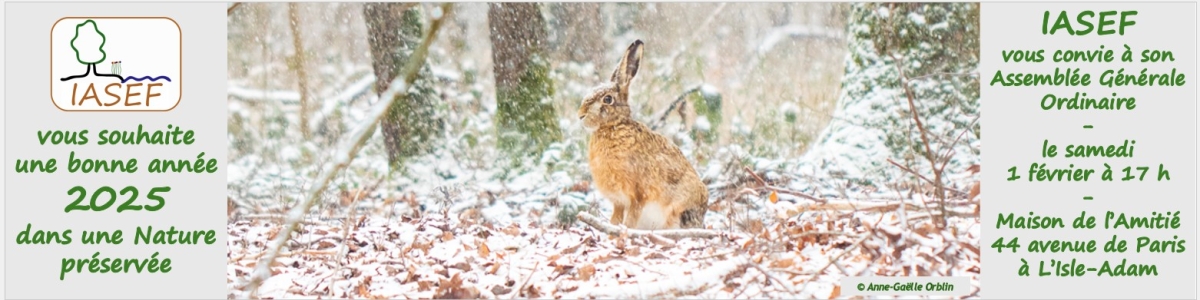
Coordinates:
600	150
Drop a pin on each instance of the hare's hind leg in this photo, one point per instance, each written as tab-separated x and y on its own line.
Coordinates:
633	213
618	216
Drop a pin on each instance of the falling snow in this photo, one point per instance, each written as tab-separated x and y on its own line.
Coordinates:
782	150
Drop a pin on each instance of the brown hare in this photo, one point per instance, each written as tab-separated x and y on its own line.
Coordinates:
647	178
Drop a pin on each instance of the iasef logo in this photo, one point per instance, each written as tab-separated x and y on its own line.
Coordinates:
116	64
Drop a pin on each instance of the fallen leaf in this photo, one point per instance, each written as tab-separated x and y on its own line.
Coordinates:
586	271
424	285
973	169
484	251
974	191
325	245
783	263
364	287
774	197
512	230
837	291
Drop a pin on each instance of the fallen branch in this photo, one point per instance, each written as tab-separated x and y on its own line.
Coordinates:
606	227
346	153
845	206
782	190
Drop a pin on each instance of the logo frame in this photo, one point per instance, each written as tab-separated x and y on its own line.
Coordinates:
179	79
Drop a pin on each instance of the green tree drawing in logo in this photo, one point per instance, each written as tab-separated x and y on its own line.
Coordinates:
99	48
90	35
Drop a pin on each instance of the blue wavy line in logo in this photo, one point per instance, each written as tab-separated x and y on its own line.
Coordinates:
151	79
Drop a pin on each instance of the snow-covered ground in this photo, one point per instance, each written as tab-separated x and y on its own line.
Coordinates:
461	222
454	225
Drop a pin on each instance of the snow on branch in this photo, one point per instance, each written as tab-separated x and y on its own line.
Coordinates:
291	97
795	31
658	235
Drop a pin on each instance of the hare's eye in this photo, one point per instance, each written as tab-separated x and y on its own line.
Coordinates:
608	99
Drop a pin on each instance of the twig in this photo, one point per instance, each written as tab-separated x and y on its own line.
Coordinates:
755	175
628	261
346	228
912	106
843	254
793	272
716	255
797	194
968	73
786	287
346	153
605	227
521	288
922	177
782	190
662	116
285	254
229	11
805	234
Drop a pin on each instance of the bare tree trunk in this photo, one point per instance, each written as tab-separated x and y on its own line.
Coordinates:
393	31
527	123
297	63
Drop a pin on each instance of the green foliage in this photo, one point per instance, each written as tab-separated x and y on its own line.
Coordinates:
418	118
567	212
936	46
526	120
707	107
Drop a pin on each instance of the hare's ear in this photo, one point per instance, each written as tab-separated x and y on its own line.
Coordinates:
628	66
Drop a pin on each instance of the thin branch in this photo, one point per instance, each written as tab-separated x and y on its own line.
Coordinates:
784	286
782	190
346	153
972	73
843	254
922	177
521	289
662	116
929	154
229	11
